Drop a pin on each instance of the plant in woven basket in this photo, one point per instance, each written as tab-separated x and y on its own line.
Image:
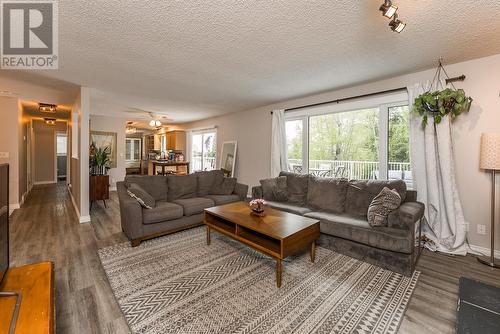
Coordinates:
439	104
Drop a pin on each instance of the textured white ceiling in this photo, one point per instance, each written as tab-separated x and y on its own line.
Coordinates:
195	59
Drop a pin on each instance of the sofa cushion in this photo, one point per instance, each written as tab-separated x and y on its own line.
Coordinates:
296	185
194	205
163	211
351	227
382	205
223	199
275	189
155	185
327	194
226	187
283	206
206	180
182	186
361	193
142	196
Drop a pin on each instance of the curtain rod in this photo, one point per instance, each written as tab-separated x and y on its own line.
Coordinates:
449	80
347	99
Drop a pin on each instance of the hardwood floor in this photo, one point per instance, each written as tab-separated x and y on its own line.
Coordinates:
46	229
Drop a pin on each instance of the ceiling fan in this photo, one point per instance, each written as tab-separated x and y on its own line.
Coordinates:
156	119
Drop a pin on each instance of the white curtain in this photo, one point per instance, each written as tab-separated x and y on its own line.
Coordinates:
278	143
434	177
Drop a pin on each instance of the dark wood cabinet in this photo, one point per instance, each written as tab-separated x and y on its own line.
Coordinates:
99	188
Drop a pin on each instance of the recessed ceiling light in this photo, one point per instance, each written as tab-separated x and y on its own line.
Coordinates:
388	9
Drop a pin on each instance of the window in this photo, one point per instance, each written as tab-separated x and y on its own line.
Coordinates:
133	149
203	150
62	144
358	140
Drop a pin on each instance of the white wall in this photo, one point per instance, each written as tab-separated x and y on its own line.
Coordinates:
252	130
11	115
113	124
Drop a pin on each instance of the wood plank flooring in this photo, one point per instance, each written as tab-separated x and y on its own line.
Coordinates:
47	229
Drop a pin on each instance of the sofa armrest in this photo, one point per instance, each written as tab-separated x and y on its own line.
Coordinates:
130	213
241	190
257	192
406	216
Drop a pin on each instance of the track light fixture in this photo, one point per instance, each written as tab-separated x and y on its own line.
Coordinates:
388	9
396	24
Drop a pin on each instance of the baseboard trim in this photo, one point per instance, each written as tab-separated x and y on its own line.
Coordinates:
484	251
44	182
13	207
84	219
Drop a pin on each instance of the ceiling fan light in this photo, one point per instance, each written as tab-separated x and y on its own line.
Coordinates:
152	123
157	123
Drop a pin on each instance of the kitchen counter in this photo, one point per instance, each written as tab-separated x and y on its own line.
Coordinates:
164	166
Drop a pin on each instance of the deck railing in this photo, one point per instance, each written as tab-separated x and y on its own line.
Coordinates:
358	170
208	163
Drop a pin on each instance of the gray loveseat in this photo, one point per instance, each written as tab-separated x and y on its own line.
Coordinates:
341	207
180	201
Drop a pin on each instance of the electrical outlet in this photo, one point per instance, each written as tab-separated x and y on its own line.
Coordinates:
4	155
481	229
467	227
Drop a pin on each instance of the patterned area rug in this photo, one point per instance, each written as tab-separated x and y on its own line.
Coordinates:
178	284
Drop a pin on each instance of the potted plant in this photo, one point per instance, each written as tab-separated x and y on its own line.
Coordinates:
438	104
101	159
257	207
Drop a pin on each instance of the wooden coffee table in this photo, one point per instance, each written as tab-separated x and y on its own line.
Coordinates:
278	234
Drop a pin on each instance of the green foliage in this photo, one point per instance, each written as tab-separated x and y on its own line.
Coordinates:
351	136
102	156
439	104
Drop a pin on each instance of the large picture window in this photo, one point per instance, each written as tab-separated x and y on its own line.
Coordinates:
362	140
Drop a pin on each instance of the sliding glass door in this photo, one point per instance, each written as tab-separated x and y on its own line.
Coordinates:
203	150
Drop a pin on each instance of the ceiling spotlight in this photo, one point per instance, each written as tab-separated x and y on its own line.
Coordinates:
50	121
396	24
388	9
44	107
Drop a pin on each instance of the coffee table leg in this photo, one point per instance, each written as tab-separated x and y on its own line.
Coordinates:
278	273
313	251
208	235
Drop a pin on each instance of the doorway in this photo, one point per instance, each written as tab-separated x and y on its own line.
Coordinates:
61	155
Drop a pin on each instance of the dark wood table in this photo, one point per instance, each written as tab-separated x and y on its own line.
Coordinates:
278	234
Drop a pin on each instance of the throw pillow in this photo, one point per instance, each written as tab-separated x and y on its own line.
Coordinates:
384	203
325	194
226	187
182	186
142	196
275	189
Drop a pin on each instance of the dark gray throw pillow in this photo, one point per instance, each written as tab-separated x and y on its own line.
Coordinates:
207	179
226	187
384	203
182	186
326	194
275	189
142	196
296	187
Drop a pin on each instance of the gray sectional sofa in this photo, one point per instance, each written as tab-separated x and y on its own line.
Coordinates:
180	201
342	205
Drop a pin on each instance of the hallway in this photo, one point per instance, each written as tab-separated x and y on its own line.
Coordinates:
46	228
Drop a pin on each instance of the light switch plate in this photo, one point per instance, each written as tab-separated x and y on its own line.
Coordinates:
4	155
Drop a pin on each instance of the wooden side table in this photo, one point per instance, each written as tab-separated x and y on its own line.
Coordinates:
35	284
99	189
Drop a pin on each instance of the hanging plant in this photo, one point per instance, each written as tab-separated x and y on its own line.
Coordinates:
441	103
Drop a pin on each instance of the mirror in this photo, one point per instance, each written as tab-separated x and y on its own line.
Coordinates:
228	158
